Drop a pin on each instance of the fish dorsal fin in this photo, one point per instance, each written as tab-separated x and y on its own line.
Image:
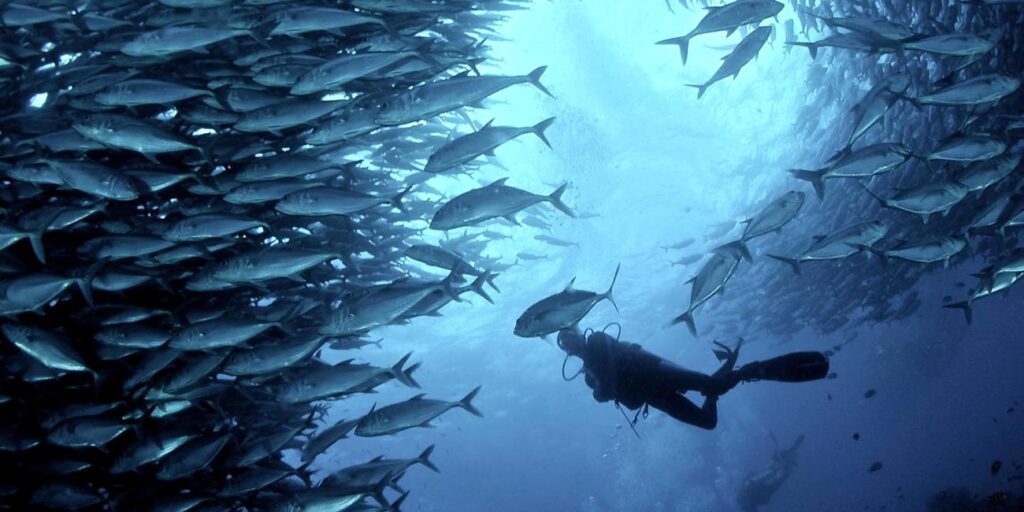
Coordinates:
713	8
498	182
486	125
568	287
418	397
692	279
818	238
462	74
377	458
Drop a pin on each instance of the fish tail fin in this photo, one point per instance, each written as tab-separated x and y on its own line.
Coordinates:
490	280
478	286
404	375
36	239
396	200
424	459
538	130
85	283
396	506
608	293
534	79
792	262
686	318
467	403
965	306
701	89
737	247
815	178
556	200
682	42
811	48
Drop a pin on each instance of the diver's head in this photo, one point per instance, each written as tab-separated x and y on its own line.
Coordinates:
571	341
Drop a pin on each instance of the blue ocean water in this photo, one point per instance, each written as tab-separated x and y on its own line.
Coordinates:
655	165
133	132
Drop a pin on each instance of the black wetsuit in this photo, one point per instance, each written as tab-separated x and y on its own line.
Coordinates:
631	376
625	372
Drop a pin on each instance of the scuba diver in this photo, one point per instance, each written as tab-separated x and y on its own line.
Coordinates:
633	377
758	490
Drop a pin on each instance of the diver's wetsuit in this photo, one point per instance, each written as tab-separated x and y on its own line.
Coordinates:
632	376
625	372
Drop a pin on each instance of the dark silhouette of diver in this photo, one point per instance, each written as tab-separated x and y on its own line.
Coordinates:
634	378
758	490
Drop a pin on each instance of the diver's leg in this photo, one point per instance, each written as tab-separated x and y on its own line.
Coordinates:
681	379
682	409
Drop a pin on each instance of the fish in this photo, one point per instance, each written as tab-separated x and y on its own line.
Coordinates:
133	134
562	310
282	115
988	286
558	242
983	174
323	201
322	381
708	282
435	98
368	473
953	45
847	41
441	258
207	226
133	336
925	200
876	103
839	244
727	18
972	91
175	39
492	201
325	438
303	19
65	496
32	292
387	305
865	162
87	431
191	457
274	357
268	263
874	28
218	333
770	219
967	148
484	141
415	412
745	51
148	449
928	250
139	91
344	69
